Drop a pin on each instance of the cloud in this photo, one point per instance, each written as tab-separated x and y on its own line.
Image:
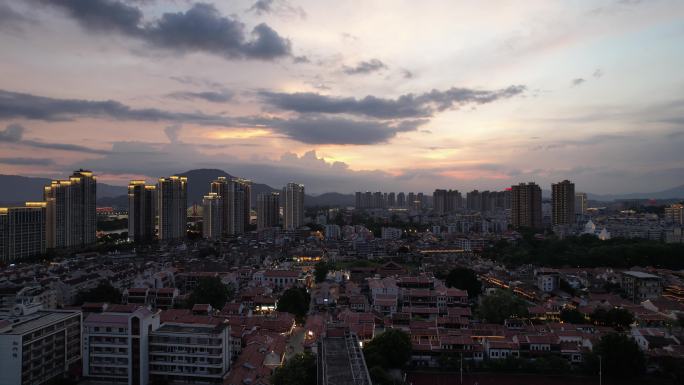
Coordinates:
200	29
14	133
406	74
209	96
11	20
597	73
172	132
326	130
27	161
281	7
578	82
365	67
405	106
21	105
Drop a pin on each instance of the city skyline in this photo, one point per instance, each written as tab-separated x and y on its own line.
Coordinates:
588	92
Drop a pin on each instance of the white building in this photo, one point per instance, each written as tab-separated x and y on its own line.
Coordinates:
115	345
191	352
391	233
37	346
332	232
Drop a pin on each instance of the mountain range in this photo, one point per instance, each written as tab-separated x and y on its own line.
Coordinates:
15	189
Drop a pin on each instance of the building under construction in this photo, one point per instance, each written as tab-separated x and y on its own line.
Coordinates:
340	359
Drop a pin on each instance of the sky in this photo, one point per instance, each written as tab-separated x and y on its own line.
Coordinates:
347	95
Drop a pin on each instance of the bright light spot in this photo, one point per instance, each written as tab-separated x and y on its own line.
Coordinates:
238	133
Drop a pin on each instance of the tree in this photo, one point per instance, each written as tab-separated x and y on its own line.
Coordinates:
615	317
500	305
298	370
572	316
321	271
391	349
621	357
464	279
212	291
104	292
295	301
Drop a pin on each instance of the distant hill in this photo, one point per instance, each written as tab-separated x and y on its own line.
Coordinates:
672	193
200	179
16	189
330	199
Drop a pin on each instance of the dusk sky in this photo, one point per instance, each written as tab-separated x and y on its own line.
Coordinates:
347	95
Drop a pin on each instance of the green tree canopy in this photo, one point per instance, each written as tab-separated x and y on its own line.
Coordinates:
212	291
295	301
104	292
500	305
615	317
298	370
391	349
321	271
464	279
621	357
572	316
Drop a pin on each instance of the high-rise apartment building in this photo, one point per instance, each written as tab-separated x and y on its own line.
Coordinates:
293	206
142	211
172	207
526	207
115	345
391	200
38	346
401	200
268	210
22	231
563	203
439	201
212	216
71	213
581	203
235	194
474	201
675	213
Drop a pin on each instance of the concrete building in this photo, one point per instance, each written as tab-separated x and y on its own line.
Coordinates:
332	232
71	212
22	231
340	359
581	203
293	206
194	352
526	207
172	203
115	345
548	280
236	203
142	211
212	216
639	286
675	214
38	346
268	210
563	203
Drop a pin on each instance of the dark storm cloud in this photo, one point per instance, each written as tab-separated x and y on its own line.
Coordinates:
262	7
209	96
27	161
405	106
365	67
306	128
578	81
11	20
327	130
20	105
14	133
202	28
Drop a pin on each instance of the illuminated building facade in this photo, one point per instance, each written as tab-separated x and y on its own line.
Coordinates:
22	231
142	211
71	213
172	207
